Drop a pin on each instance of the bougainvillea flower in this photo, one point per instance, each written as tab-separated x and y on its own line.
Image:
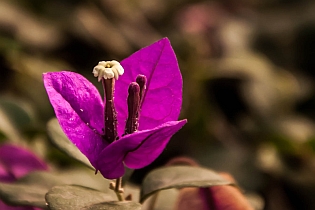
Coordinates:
147	97
16	162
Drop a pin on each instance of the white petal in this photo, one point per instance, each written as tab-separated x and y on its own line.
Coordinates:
108	70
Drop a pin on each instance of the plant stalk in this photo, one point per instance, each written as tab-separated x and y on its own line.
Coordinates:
117	187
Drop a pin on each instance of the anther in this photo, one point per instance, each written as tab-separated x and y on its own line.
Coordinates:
133	108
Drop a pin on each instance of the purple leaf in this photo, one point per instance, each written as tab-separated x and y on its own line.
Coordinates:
79	109
137	150
163	98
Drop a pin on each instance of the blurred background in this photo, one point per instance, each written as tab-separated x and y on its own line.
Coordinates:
248	69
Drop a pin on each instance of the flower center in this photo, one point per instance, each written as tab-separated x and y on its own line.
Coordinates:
108	72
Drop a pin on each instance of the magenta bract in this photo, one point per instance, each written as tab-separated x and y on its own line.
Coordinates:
80	110
16	162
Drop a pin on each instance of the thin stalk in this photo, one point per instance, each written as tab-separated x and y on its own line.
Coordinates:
117	187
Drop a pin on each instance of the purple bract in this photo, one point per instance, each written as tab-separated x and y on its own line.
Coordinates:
16	162
80	110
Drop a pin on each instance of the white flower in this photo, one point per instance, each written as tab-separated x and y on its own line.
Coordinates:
108	70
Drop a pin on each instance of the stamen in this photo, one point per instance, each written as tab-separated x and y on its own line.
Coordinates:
133	108
141	80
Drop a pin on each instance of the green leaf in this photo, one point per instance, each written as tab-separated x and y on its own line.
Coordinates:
162	200
8	128
78	197
16	112
115	205
85	177
179	177
29	190
61	141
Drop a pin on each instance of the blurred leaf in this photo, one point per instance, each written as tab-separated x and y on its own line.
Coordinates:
310	144
2	137
78	197
255	200
268	159
179	177
116	205
43	35
8	128
87	178
63	143
15	111
283	144
297	129
216	197
29	190
131	190
162	200
96	25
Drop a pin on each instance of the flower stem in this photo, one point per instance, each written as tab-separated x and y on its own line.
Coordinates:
110	121
117	187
